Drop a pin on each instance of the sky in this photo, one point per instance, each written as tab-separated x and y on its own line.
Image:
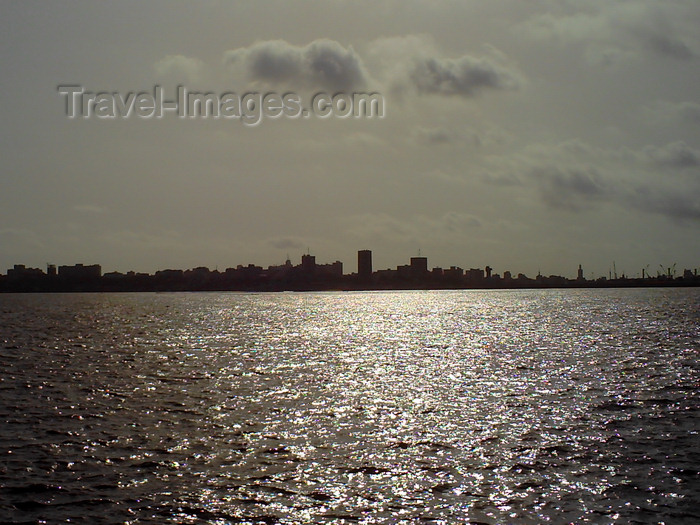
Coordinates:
529	136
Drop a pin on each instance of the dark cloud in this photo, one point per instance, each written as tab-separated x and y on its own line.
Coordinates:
578	189
690	112
286	243
669	46
435	135
679	206
569	188
454	221
415	64
663	34
675	154
180	68
465	76
320	64
443	135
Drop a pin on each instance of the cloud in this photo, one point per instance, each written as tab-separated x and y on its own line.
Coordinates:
615	32
570	187
454	221
320	64
689	111
568	27
465	76
386	228
659	31
434	135
673	205
21	237
576	176
668	45
89	208
676	155
413	62
179	69
286	243
664	112
410	62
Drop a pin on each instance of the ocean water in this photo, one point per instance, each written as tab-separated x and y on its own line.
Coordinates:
548	406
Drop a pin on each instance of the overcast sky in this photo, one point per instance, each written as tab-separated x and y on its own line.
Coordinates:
526	136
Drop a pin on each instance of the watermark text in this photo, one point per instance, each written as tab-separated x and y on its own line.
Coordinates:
250	108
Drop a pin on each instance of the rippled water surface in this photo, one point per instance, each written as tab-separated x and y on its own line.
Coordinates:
395	407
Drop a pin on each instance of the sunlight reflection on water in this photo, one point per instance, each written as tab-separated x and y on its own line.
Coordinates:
509	406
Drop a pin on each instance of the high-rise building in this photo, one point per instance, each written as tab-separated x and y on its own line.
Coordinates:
419	266
79	272
308	264
364	264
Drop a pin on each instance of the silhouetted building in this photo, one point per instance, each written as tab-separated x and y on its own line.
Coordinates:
419	266
20	271
454	273
403	271
330	271
244	273
475	274
281	271
308	264
310	276
170	274
79	272
364	265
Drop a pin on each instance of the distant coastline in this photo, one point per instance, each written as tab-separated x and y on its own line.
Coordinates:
310	276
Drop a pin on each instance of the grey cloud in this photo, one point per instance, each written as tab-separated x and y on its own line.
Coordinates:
286	243
614	32
89	208
577	187
321	64
676	154
504	179
180	68
660	31
385	227
404	61
465	76
454	221
669	46
626	178
689	111
444	135
434	135
569	188
666	113
414	63
673	205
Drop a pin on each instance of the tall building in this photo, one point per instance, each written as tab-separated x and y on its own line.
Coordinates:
79	272
419	267
364	264
308	264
